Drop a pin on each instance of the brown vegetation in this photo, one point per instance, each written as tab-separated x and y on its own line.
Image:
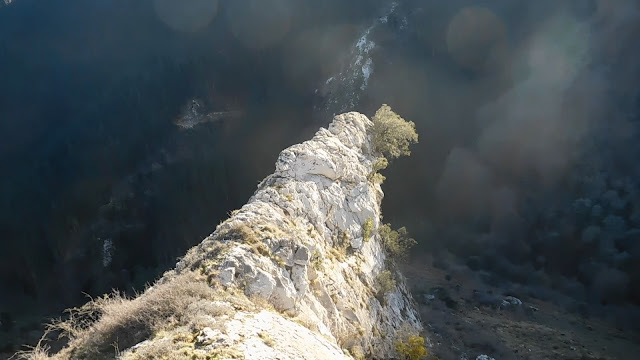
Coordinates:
175	310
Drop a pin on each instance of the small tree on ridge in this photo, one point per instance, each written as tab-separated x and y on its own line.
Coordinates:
392	134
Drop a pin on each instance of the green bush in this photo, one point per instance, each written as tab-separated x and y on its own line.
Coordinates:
367	229
385	283
412	349
381	163
397	243
377	178
392	134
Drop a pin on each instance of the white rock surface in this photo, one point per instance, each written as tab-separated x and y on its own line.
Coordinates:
306	256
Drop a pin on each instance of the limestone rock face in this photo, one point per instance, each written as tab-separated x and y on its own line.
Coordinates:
297	247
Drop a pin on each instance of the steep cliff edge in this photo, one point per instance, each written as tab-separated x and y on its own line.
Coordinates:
293	274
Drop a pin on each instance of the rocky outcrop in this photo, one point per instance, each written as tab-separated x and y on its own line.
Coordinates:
294	274
299	244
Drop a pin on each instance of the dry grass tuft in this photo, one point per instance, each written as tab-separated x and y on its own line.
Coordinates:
102	327
240	233
266	338
172	311
40	352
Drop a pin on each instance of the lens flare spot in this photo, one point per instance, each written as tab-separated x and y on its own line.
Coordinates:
559	51
476	39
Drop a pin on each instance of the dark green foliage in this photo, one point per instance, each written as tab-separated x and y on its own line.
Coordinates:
392	134
397	243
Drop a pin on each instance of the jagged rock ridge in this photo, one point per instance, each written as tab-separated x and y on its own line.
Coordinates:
288	276
307	212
